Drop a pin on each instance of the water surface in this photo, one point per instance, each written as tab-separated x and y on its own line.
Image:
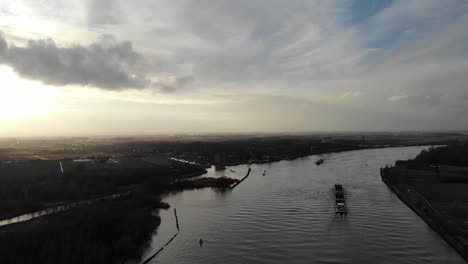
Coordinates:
288	216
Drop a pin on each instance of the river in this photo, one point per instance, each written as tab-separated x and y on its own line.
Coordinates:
287	216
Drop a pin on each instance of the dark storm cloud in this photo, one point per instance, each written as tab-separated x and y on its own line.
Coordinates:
105	64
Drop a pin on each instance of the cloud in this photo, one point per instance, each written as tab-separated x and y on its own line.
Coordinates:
281	42
3	47
398	97
395	58
104	12
105	64
171	84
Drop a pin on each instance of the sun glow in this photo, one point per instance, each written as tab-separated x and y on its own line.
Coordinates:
19	98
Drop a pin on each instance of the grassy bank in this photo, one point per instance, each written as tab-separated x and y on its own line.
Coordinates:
438	193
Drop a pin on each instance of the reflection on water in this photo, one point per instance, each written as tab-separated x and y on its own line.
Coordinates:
288	217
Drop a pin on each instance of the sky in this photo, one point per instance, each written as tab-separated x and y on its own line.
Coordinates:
140	67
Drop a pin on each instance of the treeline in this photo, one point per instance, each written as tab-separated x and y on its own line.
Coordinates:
106	232
237	151
110	232
30	186
455	155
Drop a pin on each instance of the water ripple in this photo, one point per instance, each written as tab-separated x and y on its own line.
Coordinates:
288	217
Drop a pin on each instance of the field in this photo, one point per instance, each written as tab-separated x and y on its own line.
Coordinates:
19	154
444	187
30	185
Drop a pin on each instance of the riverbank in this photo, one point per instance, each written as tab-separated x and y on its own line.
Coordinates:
108	232
328	150
204	182
130	217
452	233
34	185
155	174
265	218
61	208
297	153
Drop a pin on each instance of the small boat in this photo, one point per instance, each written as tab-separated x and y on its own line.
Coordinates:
318	162
340	200
264	173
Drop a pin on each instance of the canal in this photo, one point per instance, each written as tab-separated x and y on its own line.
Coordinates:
287	216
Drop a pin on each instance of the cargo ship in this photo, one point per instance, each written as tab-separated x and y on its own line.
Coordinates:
340	200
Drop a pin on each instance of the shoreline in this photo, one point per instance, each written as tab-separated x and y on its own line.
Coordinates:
303	155
173	191
60	208
299	156
446	231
